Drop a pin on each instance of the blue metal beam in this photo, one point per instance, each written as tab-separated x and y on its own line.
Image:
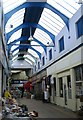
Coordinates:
28	47
26	38
25	25
37	4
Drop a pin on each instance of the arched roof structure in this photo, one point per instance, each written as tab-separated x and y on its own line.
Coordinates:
45	18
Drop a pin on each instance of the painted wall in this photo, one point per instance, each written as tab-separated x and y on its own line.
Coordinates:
70	40
65	66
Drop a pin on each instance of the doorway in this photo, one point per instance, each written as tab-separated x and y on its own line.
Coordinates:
65	94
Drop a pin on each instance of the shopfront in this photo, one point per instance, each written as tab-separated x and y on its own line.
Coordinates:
79	85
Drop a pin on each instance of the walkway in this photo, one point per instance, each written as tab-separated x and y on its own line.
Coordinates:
47	110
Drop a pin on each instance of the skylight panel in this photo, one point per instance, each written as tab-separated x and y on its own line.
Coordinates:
29	57
14	58
33	53
14	47
73	3
37	46
17	43
53	16
15	52
43	39
15	36
63	7
44	35
48	27
56	5
52	24
15	20
11	4
28	61
51	21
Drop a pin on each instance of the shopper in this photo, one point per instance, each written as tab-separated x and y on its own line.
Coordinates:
22	92
7	94
45	95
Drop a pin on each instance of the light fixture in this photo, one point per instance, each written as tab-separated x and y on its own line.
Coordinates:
30	38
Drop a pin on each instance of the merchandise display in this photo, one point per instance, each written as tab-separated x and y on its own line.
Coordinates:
12	110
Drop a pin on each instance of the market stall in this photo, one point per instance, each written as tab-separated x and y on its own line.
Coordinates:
12	110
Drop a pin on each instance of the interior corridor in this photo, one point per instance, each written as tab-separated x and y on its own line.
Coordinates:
47	110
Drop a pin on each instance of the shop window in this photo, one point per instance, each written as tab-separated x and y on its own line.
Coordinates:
38	65
69	86
61	86
79	26
43	61
79	80
79	73
50	54
61	44
54	84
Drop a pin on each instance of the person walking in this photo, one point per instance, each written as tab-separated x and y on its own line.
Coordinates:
22	92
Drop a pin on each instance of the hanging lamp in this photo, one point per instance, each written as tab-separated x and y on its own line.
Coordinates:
30	38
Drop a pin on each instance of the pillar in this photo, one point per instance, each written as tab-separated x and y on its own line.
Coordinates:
73	83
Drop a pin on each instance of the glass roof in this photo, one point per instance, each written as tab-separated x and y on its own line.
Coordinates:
29	57
49	20
28	61
9	5
15	20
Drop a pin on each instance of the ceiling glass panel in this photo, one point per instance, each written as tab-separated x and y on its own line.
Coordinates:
42	36
15	36
49	20
52	20
28	61
8	5
37	46
54	16
33	53
15	20
51	24
15	52
43	39
63	7
29	57
15	46
14	58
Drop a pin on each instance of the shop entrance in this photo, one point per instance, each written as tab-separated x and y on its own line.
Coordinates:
65	94
67	89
